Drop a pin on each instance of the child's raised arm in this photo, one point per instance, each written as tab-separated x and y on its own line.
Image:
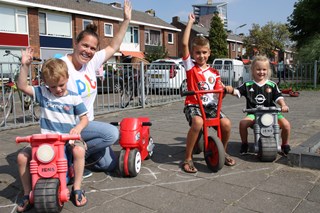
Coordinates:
186	36
26	60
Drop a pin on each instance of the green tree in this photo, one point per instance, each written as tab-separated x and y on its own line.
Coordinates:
217	38
267	39
155	52
304	22
310	50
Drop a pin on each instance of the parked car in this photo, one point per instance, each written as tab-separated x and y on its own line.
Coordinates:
166	74
232	71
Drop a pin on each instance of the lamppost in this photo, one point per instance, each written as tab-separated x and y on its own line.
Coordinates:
235	32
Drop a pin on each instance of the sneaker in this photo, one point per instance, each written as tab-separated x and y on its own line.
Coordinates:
86	173
285	149
244	148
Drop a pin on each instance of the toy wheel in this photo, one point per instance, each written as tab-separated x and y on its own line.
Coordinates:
134	162
214	156
47	196
121	162
199	146
267	149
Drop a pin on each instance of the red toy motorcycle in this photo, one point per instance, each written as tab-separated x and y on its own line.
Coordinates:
212	146
136	143
48	168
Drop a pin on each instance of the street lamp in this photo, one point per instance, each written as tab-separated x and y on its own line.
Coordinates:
235	32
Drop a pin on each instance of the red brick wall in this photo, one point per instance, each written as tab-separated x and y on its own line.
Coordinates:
34	38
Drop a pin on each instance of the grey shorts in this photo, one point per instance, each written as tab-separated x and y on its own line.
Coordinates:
193	110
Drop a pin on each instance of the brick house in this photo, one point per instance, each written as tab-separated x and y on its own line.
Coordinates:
50	26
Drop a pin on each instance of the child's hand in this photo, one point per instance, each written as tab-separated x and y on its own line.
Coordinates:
27	56
229	90
75	131
192	18
284	108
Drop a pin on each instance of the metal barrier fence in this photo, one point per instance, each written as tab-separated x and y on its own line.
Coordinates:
123	86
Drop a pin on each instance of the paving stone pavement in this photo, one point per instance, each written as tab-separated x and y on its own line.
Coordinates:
161	186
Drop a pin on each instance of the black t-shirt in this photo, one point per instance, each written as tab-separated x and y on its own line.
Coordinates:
260	95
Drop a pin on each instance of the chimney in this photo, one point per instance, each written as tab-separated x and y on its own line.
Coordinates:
151	12
175	19
209	2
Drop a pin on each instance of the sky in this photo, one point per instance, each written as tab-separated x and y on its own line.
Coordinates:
239	11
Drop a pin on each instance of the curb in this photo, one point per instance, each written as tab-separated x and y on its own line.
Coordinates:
306	155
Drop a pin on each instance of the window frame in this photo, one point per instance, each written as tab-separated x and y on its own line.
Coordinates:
83	23
49	23
170	41
16	14
149	33
111	29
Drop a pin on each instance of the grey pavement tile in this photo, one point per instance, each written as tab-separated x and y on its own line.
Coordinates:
314	195
154	197
261	201
119	205
307	206
236	209
220	192
192	204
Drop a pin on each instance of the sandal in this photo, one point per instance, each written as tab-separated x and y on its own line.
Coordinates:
24	204
188	167
80	194
229	161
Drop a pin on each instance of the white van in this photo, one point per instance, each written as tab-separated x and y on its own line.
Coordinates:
232	71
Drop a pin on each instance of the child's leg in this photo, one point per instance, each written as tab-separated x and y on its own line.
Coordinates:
225	131
78	164
192	136
286	129
244	124
23	160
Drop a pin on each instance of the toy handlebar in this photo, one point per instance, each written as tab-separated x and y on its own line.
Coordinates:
262	108
115	123
44	137
187	93
143	123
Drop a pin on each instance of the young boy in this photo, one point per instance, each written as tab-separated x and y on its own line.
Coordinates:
269	94
59	110
200	76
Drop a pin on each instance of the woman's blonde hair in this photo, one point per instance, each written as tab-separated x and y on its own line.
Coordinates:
260	58
53	69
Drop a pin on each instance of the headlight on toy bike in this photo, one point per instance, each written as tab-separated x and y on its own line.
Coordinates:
45	153
267	119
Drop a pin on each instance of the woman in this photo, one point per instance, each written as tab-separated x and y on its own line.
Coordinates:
82	66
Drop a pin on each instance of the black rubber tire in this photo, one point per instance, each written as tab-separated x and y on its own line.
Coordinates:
47	195
134	162
121	162
267	149
215	155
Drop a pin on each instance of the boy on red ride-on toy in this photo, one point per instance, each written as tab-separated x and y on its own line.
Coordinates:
200	76
59	110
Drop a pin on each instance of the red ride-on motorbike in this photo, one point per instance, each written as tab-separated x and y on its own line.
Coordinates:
48	168
212	146
136	142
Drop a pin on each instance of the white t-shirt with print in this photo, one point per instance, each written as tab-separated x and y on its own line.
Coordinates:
84	81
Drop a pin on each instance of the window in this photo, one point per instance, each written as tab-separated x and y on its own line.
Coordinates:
132	35
170	38
152	37
54	24
13	20
42	24
233	47
108	30
85	23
